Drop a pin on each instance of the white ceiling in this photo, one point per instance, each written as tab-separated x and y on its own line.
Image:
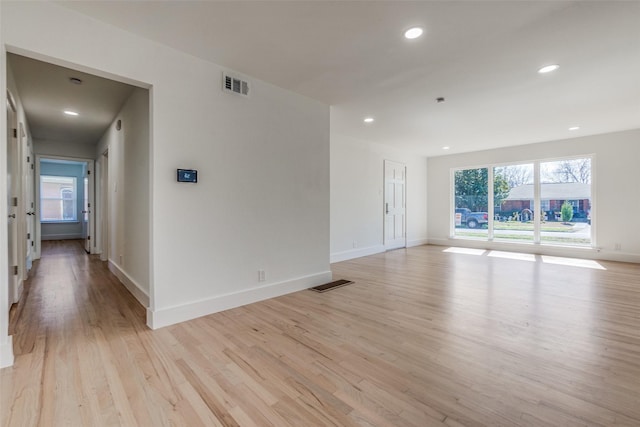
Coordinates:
45	91
481	55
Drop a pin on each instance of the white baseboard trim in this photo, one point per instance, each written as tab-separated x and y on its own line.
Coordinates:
132	286
6	353
565	251
617	256
355	253
417	242
62	237
181	313
19	290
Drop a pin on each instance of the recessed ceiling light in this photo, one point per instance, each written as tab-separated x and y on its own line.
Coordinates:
548	68
368	120
446	148
574	128
70	113
413	33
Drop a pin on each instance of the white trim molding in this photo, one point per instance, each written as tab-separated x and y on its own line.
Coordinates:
19	290
6	353
72	236
171	315
417	242
132	286
356	253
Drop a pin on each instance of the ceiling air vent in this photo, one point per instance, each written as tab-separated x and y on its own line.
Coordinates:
235	85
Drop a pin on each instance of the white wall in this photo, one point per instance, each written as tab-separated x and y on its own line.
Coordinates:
615	179
129	210
65	149
357	196
6	347
263	161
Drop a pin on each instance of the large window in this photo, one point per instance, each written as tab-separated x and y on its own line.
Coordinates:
58	198
546	202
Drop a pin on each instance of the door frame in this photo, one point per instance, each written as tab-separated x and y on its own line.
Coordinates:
101	185
384	198
28	196
12	148
38	230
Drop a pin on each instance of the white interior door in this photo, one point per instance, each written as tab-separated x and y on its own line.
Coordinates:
87	214
395	181
30	206
12	202
104	207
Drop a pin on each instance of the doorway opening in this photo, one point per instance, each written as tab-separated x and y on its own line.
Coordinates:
67	188
65	201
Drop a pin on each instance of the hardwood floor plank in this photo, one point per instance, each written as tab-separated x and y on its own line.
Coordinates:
206	394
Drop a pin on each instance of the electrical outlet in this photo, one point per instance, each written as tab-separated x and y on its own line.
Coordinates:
261	276
355	243
617	247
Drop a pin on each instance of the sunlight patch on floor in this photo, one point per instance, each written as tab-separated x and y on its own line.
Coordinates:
573	262
466	251
513	255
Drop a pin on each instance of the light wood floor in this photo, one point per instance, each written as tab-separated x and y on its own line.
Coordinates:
423	337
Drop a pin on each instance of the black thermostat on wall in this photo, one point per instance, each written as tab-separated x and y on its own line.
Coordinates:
187	175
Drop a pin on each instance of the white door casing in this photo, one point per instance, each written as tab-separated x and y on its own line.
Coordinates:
395	180
12	208
88	209
29	204
103	209
90	166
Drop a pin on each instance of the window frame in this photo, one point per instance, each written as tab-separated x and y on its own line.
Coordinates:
61	199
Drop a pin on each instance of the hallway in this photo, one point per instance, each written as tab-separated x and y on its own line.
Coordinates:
73	320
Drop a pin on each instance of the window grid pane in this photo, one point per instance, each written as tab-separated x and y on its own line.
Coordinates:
58	198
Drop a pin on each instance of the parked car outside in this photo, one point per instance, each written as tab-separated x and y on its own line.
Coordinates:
471	219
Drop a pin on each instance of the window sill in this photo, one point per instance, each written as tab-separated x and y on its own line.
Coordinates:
589	246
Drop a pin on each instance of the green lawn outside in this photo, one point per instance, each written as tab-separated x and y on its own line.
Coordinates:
558	227
528	226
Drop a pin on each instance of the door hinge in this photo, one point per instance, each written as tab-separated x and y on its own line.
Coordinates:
14	201
15	270
28	236
28	159
88	172
32	243
31	165
15	132
88	237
